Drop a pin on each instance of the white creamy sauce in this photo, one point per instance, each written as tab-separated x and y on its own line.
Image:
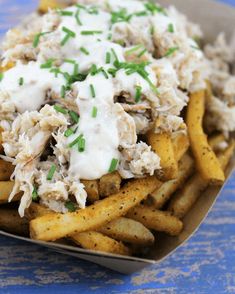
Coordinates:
27	84
101	132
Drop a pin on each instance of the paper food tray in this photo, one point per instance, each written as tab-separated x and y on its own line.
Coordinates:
213	17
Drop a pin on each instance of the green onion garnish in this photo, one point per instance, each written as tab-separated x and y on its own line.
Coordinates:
65	13
104	73
68	133
69	34
94	112
154	8
35	194
75	69
1	76
74	142
37	37
90	32
115	55
21	81
108	58
138	94
70	61
92	89
78	18
74	116
113	165
130	51
60	109
48	63
51	172
81	145
84	50
171	51
70	206
171	28
56	71
63	91
142	52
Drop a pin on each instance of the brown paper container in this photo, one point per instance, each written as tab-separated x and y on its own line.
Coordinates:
213	18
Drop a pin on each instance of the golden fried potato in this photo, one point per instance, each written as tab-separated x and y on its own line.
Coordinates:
92	190
162	221
162	145
11	222
180	142
52	227
45	5
99	242
160	196
5	191
110	184
6	170
128	230
206	160
184	199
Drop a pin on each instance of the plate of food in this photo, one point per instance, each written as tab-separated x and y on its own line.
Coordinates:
117	122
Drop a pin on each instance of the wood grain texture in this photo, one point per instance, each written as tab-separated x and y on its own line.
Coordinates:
205	264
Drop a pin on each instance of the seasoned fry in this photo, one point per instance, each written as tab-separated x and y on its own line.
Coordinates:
206	160
99	242
121	229
92	190
5	190
163	147
44	5
183	201
162	221
6	170
110	184
9	65
128	230
11	222
180	144
160	196
52	227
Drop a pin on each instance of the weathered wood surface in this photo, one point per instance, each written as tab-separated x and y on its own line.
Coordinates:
205	264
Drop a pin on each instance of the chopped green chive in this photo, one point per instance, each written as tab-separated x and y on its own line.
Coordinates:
142	52
90	32
94	112
153	8
74	142
110	36
84	50
56	71
113	165
21	81
152	30
74	116
63	91
104	73
81	145
78	18
108	58
69	34
70	206
120	16
92	89
171	28
93	69
37	37
35	194
115	55
60	109
171	51
70	61
138	94
75	69
68	133
130	51
65	13
51	172
48	63
1	76
141	13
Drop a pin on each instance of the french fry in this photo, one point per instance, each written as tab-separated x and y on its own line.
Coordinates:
55	226
11	222
160	196
109	184
6	170
6	67
36	210
128	230
180	144
162	145
161	221
1	147
206	160
45	5
5	190
96	241
92	190
216	141
183	201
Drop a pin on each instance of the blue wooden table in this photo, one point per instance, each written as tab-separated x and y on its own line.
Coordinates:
206	264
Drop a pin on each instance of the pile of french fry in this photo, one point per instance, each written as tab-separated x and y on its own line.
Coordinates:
125	218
